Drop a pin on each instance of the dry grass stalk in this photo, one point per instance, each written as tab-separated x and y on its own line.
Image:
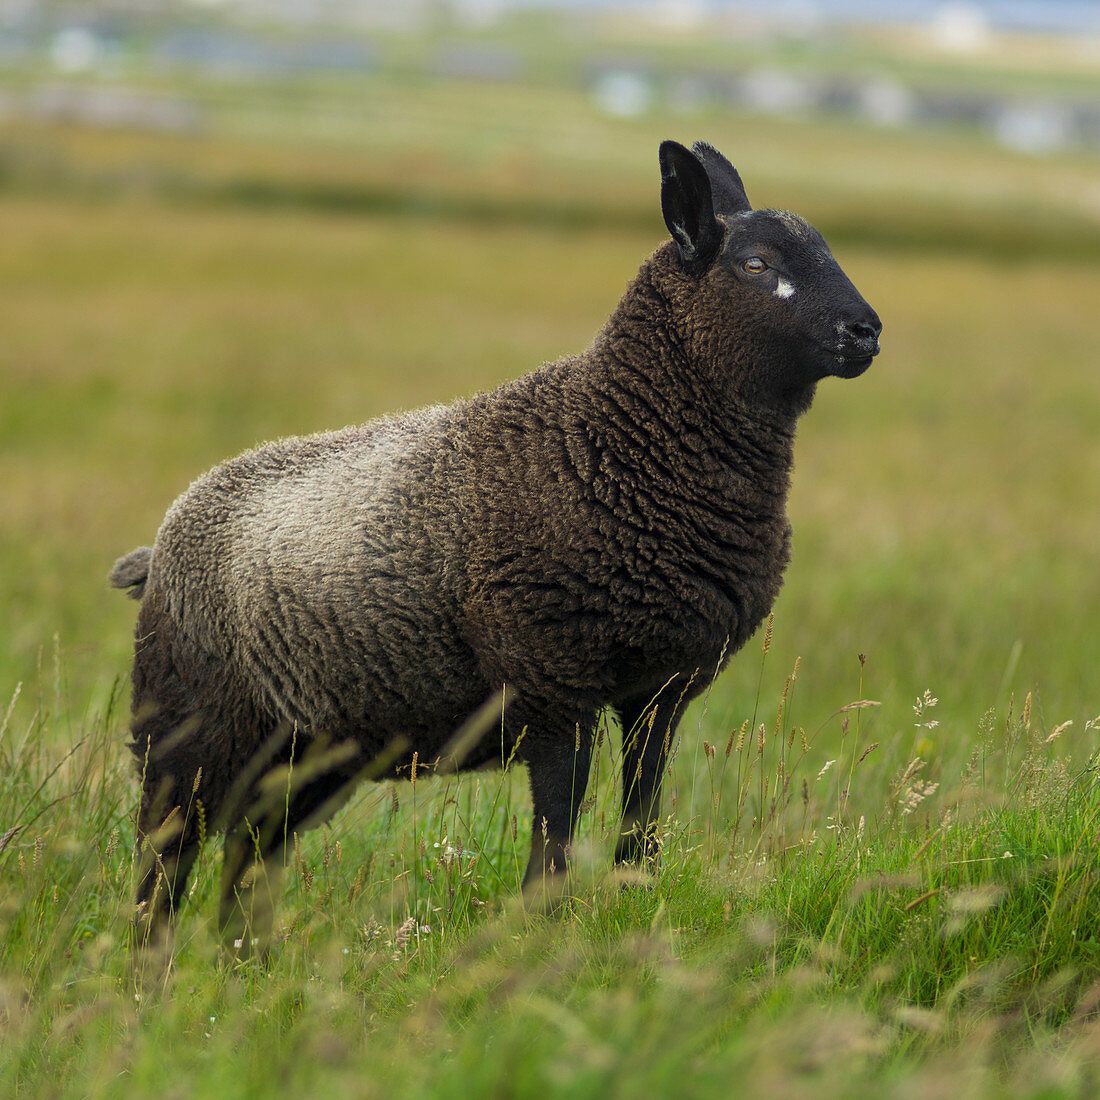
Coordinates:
867	752
1057	732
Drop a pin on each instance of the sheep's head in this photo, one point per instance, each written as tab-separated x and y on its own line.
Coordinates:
765	278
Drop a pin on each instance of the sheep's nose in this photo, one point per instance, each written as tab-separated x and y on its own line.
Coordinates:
864	330
867	327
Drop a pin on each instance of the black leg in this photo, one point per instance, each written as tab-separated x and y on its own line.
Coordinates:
649	726
558	767
250	887
168	839
289	799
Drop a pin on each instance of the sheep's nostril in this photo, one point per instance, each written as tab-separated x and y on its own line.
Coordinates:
864	330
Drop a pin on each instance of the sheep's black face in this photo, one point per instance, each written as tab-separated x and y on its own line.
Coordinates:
769	273
799	300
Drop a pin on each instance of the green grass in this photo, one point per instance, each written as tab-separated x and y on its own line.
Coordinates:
945	529
871	932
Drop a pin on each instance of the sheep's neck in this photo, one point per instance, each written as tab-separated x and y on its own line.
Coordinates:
659	406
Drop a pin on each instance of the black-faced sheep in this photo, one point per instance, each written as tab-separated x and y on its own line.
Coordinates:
605	531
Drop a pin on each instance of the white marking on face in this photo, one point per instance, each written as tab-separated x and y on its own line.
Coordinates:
784	288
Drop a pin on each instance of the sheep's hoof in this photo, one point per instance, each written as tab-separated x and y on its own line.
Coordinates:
153	949
635	880
246	949
547	893
637	852
246	934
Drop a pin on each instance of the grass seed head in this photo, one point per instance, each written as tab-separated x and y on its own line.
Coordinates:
740	737
1057	732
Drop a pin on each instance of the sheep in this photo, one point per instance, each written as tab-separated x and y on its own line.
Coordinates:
603	532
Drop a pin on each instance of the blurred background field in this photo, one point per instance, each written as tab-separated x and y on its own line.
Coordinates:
279	228
224	223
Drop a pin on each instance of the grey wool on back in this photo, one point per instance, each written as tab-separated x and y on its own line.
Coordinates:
605	531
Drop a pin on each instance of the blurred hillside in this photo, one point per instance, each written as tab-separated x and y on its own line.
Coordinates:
904	133
181	67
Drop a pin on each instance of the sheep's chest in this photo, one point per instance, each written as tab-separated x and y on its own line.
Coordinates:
697	602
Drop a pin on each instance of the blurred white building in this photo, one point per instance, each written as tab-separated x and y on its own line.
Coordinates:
961	28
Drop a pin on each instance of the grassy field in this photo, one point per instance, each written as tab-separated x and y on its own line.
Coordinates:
927	928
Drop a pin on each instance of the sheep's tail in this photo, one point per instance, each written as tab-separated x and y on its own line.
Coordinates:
132	571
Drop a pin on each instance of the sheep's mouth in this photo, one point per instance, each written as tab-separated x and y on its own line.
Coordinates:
853	357
848	358
852	366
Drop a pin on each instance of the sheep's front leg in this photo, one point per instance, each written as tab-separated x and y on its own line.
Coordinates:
558	768
649	726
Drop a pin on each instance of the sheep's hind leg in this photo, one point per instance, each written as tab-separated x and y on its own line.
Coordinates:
252	877
649	726
291	798
169	834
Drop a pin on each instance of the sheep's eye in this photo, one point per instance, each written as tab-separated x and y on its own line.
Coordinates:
754	266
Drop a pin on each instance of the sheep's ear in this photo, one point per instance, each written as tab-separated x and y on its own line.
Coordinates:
725	183
687	206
